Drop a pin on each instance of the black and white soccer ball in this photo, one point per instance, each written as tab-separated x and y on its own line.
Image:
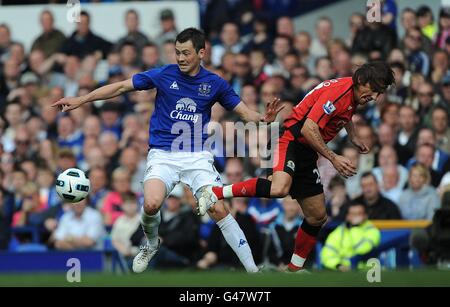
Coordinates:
72	185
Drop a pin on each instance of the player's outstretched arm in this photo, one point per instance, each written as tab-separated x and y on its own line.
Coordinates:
248	115
102	93
311	133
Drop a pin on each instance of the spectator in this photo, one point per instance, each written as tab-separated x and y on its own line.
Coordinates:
51	39
426	22
338	200
168	27
418	59
352	185
408	19
129	159
112	205
168	52
13	116
440	125
444	28
69	136
109	144
407	133
126	233
387	158
260	38
324	33
80	228
420	200
230	42
150	57
368	161
99	182
218	253
134	36
178	232
83	42
356	23
374	38
391	187
110	118
30	205
440	158
66	159
5	41
440	65
283	233
357	236
5	223
378	206
427	102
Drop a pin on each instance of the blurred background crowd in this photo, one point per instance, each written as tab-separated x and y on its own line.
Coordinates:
256	47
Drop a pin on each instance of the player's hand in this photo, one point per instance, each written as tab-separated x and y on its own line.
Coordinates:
68	103
344	166
272	109
362	148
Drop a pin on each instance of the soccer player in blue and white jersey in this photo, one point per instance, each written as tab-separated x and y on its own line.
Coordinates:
185	94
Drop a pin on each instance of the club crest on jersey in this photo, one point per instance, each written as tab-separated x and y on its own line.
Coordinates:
329	107
204	89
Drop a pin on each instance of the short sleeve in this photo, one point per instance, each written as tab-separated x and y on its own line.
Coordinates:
323	109
227	97
146	80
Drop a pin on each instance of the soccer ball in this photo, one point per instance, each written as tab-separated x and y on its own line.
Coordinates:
72	185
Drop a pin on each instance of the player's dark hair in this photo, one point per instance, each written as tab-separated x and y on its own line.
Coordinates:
196	36
377	74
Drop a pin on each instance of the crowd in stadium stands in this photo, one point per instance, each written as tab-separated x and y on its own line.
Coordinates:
404	176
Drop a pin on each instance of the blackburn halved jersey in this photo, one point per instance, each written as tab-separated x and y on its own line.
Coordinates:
330	104
183	105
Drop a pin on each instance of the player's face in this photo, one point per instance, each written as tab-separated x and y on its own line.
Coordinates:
365	94
187	58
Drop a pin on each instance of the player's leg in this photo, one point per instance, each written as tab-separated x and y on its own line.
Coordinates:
200	172
234	235
315	216
159	179
284	167
154	194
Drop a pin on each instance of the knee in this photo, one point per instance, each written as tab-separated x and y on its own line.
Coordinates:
218	211
317	220
279	191
151	206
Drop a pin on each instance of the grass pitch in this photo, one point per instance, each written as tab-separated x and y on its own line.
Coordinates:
421	278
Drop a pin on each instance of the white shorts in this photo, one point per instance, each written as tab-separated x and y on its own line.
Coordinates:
196	169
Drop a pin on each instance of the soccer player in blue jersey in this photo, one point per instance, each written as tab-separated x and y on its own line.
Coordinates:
185	94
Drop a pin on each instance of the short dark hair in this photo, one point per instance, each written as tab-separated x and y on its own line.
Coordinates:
132	11
378	74
368	174
196	36
85	13
355	203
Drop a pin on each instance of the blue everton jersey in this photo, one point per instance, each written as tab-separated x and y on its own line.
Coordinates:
183	105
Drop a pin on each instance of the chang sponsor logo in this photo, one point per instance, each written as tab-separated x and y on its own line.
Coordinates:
185	110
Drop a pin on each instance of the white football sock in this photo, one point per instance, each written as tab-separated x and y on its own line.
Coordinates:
235	237
150	224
